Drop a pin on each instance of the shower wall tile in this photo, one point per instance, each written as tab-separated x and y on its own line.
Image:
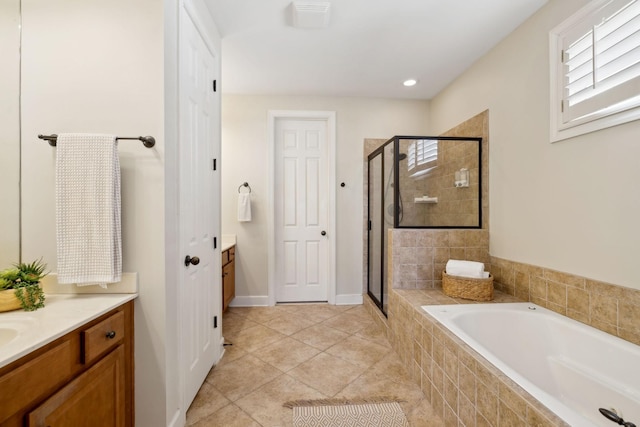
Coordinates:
610	308
456	206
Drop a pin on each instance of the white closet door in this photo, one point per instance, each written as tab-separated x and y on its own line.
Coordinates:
301	197
199	289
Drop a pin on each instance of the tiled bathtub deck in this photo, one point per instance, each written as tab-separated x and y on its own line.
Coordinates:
462	387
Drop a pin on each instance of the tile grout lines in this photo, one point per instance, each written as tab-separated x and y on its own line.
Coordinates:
309	351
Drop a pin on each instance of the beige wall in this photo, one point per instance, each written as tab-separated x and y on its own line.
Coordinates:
570	206
244	158
95	66
10	133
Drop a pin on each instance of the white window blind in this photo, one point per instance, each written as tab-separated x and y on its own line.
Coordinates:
599	69
422	152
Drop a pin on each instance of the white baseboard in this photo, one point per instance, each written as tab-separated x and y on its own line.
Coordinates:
128	285
178	420
263	301
250	301
349	299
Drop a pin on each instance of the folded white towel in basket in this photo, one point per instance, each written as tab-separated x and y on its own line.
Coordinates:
244	207
462	268
88	227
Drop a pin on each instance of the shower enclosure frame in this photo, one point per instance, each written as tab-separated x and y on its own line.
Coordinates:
380	151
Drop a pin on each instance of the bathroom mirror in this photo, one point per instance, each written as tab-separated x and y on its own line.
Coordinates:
10	132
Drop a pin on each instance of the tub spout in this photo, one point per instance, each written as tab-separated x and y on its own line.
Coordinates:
611	415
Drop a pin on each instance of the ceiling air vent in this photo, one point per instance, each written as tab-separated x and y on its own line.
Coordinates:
310	14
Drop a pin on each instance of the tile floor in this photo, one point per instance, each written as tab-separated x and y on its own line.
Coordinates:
290	352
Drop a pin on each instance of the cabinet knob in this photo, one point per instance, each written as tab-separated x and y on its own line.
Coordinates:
324	233
111	334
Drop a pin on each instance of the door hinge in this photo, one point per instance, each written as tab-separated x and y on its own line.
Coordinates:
215	86
215	243
369	225
214	164
215	322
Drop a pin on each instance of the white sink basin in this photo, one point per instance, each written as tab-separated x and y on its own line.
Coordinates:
13	327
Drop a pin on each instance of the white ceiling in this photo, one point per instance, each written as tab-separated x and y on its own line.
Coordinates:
369	48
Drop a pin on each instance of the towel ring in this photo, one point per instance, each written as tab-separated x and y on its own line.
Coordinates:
244	184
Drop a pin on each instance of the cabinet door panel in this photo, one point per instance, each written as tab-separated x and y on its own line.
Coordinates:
96	398
232	281
226	289
35	379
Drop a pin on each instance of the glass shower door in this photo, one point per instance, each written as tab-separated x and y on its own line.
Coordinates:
390	209
375	238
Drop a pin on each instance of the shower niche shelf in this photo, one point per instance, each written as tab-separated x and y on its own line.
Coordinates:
425	200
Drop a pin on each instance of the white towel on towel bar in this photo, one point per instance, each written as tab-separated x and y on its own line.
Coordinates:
88	228
244	207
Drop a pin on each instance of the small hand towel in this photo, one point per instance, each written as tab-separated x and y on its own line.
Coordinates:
244	207
471	269
88	227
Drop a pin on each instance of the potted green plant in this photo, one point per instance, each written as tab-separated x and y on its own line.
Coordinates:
20	286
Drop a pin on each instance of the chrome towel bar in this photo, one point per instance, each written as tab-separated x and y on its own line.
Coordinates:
147	141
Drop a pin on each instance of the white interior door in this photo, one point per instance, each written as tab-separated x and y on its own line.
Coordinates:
200	288
301	210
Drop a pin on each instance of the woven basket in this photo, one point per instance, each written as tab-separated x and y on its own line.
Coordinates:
467	287
8	300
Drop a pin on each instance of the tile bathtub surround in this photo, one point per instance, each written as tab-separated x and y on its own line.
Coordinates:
463	388
610	308
290	352
419	256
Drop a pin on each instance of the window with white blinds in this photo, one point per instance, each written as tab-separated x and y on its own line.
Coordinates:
422	154
597	68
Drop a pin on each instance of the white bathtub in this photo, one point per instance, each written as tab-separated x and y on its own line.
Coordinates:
571	368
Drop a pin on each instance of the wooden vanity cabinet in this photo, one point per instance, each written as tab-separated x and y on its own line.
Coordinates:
228	277
84	378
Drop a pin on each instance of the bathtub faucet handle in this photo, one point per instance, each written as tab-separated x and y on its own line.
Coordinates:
613	416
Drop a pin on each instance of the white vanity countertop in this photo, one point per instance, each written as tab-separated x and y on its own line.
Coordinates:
61	314
228	240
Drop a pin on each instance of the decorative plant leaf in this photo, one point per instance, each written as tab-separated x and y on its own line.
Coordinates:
31	297
5	284
25	280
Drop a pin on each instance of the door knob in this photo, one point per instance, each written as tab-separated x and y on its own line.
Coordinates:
193	261
324	233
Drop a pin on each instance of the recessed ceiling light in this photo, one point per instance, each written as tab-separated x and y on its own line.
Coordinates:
410	82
